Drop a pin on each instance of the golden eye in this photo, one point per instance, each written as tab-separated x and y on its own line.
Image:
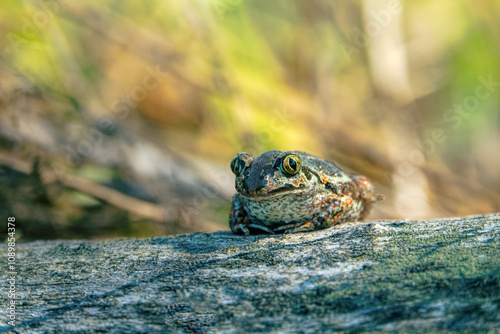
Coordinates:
291	164
237	166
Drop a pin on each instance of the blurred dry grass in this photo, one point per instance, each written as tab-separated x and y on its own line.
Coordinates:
152	100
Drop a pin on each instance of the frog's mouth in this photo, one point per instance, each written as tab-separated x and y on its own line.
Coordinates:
280	192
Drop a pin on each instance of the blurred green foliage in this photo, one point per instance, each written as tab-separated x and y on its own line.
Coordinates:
364	83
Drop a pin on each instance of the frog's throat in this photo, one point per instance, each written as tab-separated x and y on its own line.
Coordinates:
281	193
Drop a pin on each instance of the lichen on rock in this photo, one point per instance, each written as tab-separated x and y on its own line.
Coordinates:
432	275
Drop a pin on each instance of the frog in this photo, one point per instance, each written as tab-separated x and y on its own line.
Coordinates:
293	191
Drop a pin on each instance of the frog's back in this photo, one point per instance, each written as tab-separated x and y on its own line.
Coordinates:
321	166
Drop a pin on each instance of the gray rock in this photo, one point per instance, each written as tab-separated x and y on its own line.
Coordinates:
436	275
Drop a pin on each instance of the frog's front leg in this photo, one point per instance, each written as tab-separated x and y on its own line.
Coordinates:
239	220
238	217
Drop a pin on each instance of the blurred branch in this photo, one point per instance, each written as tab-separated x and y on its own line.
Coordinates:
132	205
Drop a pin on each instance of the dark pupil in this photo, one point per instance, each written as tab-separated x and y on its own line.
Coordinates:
235	166
292	163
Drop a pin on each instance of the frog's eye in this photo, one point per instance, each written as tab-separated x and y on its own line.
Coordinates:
291	164
237	165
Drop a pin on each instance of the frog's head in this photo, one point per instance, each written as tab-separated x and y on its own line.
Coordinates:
272	174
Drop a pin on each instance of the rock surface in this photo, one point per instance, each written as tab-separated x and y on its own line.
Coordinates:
436	275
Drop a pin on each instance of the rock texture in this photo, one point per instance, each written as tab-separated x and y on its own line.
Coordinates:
437	275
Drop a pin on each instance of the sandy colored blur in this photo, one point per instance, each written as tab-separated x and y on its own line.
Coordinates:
152	101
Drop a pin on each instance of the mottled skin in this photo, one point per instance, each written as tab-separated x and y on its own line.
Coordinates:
319	195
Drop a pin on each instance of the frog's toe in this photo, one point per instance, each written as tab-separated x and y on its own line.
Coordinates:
240	229
296	227
261	227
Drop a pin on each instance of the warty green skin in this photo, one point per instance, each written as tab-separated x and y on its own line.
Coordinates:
319	196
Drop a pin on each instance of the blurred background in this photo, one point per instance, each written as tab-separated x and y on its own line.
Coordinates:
120	118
